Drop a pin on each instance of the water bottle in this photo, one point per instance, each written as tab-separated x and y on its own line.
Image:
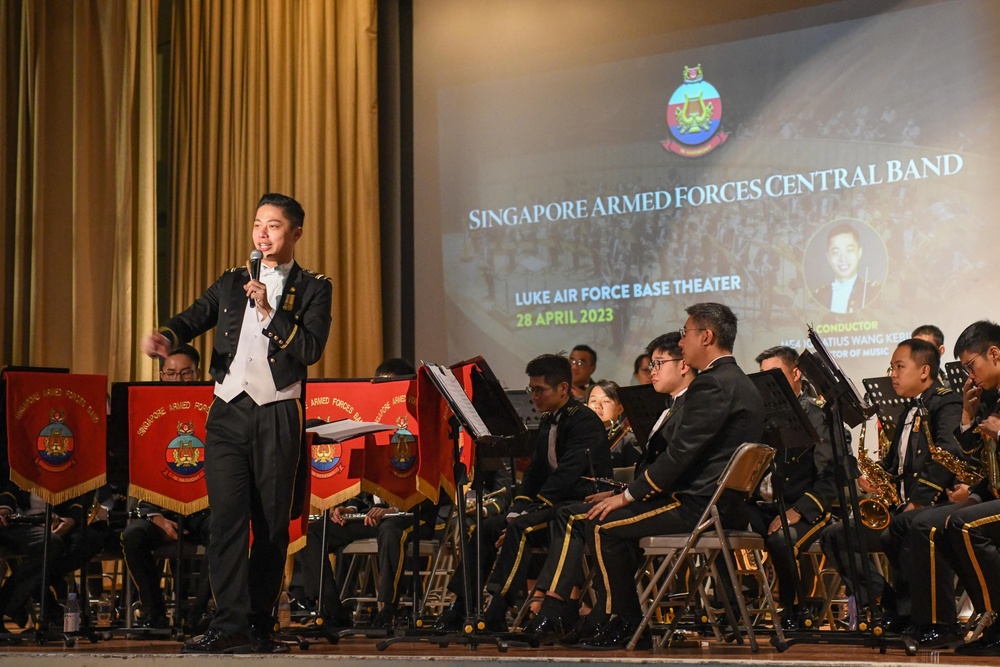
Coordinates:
104	611
284	611
71	617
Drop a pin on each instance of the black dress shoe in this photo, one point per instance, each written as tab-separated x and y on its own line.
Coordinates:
618	634
262	639
988	644
584	631
155	622
542	630
932	634
384	619
450	620
215	641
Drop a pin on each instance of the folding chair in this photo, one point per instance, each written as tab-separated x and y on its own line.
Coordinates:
742	474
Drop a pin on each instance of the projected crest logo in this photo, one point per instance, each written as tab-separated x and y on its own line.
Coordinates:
694	115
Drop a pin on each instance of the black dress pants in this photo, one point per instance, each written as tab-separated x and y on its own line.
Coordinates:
251	457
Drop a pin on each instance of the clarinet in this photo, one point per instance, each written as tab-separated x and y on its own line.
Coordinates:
360	516
613	483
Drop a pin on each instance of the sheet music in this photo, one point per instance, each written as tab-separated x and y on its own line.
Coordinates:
450	386
345	429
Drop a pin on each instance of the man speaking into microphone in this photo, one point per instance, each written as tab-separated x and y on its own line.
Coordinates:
269	329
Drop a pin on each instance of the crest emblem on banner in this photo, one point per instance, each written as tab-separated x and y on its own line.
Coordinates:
55	444
185	455
694	115
403	444
326	459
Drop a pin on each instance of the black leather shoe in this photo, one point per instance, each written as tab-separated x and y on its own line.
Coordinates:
214	641
262	636
618	634
450	620
932	635
584	631
988	644
155	622
542	630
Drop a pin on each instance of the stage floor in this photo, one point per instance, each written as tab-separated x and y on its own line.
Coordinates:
362	651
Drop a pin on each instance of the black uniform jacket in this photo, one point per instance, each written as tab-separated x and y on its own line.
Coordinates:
808	474
972	445
924	480
298	330
722	410
578	430
660	439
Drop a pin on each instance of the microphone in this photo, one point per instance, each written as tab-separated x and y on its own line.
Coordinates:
255	258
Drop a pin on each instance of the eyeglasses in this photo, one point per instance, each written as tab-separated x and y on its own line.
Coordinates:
578	362
684	332
536	391
970	363
186	374
655	364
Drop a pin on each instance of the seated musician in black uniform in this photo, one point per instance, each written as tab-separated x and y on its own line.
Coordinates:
496	502
22	530
722	410
603	399
960	537
562	573
809	490
910	473
571	444
157	526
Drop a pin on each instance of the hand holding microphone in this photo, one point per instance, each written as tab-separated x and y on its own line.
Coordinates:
256	290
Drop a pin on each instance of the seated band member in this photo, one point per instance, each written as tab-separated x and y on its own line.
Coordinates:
157	526
961	537
603	399
496	489
809	490
918	480
563	569
583	360
571	444
27	538
722	410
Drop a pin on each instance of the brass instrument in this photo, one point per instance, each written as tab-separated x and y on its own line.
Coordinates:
360	516
965	472
617	430
875	511
470	503
991	467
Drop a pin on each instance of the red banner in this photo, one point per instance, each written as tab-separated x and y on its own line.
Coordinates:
167	445
57	433
336	473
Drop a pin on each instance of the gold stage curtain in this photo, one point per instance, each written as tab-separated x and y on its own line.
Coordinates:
77	175
279	97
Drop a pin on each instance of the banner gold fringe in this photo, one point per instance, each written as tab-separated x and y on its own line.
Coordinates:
166	502
404	504
336	499
55	498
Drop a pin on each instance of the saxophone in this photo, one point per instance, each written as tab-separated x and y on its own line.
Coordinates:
963	471
875	511
991	467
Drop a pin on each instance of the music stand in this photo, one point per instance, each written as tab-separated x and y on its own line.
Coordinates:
844	404
891	407
786	426
642	406
957	375
466	416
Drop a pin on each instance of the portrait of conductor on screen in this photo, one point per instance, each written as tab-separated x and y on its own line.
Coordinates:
850	290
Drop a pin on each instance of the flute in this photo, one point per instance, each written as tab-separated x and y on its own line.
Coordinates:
613	483
360	516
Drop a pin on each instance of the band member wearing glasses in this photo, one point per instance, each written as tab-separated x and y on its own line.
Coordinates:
571	444
722	410
583	360
808	489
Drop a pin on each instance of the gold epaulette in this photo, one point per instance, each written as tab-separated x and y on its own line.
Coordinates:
941	391
317	276
571	410
236	268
